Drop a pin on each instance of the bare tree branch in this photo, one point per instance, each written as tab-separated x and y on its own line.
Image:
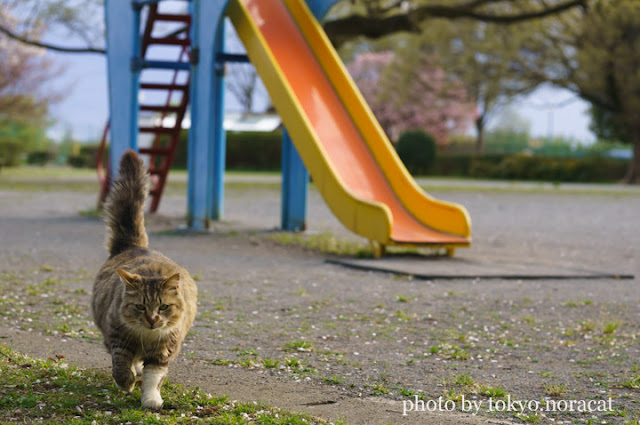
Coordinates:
343	29
48	46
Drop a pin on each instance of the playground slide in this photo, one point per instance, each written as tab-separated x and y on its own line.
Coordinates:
348	155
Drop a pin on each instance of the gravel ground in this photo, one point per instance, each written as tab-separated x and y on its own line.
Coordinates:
279	324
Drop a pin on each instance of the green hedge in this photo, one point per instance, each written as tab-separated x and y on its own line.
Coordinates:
245	151
526	167
87	157
262	151
39	157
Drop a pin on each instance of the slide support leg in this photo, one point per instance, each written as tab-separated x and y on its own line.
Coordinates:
295	181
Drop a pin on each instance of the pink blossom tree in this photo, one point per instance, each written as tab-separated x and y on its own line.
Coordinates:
25	72
413	95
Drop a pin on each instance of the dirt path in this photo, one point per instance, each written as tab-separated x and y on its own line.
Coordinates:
280	325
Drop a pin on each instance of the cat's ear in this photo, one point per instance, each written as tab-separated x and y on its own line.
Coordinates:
131	280
172	283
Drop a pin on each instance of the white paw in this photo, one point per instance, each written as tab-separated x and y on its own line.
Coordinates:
152	401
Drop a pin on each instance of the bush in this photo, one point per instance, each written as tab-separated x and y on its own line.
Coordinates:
530	167
417	150
87	157
78	161
39	157
245	151
523	167
11	152
461	165
254	151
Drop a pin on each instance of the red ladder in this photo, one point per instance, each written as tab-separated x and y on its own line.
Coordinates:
165	139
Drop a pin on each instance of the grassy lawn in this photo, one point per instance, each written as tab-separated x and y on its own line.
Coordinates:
50	178
54	392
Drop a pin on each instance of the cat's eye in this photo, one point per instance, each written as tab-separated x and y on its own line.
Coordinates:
141	307
163	307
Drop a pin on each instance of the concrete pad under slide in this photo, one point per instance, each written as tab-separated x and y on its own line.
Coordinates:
431	268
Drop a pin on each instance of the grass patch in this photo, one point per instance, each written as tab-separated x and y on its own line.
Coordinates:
530	418
335	380
464	380
269	363
54	392
379	389
554	390
450	351
325	243
299	345
92	213
632	383
494	392
608	328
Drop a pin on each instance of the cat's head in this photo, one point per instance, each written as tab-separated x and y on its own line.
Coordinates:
151	302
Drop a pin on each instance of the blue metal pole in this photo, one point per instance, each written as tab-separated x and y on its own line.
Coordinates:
123	45
295	179
206	21
319	8
216	203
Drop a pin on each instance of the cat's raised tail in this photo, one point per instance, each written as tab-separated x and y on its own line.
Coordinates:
125	206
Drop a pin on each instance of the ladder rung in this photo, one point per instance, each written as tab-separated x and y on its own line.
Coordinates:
159	130
173	18
170	41
162	86
155	151
160	108
154	64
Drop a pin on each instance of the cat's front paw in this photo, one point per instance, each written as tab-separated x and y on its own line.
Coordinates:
125	379
152	401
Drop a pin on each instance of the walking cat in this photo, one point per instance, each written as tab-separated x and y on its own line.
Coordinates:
143	303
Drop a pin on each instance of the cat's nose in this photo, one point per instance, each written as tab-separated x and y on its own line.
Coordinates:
153	318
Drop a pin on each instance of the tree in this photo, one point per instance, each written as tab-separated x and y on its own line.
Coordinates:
379	18
479	55
241	80
605	125
594	53
24	94
78	20
242	83
369	18
410	92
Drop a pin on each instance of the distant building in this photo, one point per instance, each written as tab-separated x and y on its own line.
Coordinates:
233	121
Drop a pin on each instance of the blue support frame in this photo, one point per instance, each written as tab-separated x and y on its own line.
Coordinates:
207	144
206	151
123	44
216	202
319	8
295	182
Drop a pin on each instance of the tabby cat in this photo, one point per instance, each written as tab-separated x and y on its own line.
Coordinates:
143	303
